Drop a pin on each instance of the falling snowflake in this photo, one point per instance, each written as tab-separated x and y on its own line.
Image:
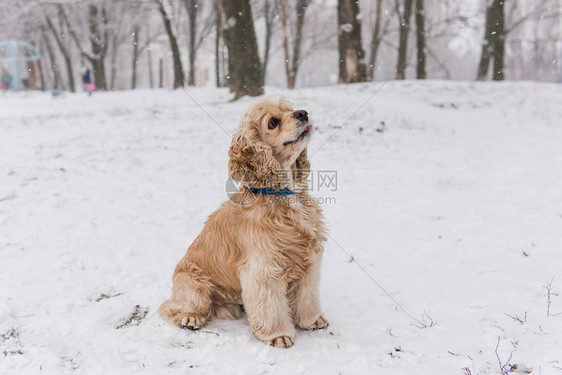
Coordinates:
230	22
346	27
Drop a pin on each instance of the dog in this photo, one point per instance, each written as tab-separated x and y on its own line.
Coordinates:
261	251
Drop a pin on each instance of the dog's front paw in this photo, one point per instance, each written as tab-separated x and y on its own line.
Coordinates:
281	342
320	323
192	321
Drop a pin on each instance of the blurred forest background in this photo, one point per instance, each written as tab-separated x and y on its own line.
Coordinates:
244	44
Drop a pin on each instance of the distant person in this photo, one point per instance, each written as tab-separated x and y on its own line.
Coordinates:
87	80
5	82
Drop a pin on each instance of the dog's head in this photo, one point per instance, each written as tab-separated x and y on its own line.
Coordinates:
271	140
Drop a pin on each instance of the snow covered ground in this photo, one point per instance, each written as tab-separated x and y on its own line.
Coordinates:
449	195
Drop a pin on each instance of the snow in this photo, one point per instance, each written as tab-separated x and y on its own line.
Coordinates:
448	195
231	22
346	27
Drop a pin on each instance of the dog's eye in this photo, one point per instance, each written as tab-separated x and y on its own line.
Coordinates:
273	122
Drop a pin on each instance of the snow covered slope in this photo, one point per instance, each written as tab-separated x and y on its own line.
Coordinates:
449	195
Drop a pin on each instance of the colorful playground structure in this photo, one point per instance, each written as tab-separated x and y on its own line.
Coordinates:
15	56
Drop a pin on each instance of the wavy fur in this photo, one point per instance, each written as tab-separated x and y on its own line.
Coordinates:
262	251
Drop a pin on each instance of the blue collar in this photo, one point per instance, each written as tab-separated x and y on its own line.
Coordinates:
270	191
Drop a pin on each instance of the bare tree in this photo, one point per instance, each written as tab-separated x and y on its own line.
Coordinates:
270	11
404	26
292	64
537	43
192	10
351	54
375	41
244	66
138	21
98	36
283	16
58	35
149	57
380	30
136	30
218	32
53	63
420	40
41	75
499	25
109	36
179	79
160	73
200	23
499	41
493	45
221	57
138	48
297	42
99	41
117	39
443	22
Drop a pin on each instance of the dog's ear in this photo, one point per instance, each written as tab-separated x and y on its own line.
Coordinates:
252	161
301	167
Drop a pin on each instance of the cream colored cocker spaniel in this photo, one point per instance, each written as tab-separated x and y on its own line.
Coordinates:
260	251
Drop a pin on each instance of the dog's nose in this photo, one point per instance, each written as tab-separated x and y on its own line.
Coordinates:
301	115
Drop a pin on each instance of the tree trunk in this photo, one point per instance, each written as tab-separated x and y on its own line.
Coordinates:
224	58
65	54
97	60
99	44
283	17
178	68
53	63
486	46
269	16
160	73
98	66
301	11
41	75
375	42
113	62
244	66
149	55
191	6
404	19
136	29
352	56
493	45
217	42
420	40
32	80
499	40
99	40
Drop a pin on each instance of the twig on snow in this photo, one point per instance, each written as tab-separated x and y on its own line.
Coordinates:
503	367
424	323
108	296
517	318
549	294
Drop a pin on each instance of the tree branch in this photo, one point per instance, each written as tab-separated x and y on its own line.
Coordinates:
73	34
